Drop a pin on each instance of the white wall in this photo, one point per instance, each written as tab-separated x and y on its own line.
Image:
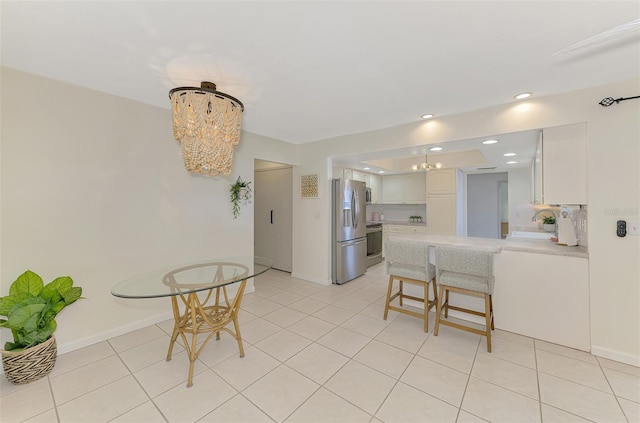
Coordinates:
613	145
94	186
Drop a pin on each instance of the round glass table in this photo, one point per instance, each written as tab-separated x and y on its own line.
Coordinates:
199	298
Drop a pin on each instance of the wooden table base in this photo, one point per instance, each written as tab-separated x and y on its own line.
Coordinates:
198	317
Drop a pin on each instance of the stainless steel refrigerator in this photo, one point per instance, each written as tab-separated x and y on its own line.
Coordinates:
349	230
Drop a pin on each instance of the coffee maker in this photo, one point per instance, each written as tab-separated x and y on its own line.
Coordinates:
566	228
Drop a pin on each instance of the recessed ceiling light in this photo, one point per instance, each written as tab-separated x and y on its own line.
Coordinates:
381	171
427	116
366	168
490	142
512	162
509	154
435	149
522	96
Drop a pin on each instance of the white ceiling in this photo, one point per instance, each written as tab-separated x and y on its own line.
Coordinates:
308	70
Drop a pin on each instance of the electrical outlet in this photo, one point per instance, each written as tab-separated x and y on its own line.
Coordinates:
633	227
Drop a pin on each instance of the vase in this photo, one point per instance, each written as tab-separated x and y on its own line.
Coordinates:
549	227
31	364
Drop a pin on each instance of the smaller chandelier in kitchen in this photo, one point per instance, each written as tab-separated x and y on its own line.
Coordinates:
426	166
207	125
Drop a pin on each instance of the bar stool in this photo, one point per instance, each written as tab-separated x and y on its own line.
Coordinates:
408	261
470	272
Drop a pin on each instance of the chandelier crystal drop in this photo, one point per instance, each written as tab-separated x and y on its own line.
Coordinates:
207	125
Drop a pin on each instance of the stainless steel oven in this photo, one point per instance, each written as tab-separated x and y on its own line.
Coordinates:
374	243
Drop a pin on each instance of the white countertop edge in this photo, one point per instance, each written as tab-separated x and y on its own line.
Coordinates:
398	222
497	245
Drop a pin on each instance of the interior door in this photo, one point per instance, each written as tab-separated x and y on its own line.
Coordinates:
273	212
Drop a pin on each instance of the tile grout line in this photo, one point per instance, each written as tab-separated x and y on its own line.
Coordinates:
613	390
143	390
535	356
466	386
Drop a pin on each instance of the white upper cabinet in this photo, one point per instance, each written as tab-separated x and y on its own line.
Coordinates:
444	202
564	164
415	188
356	175
393	189
374	184
408	188
441	181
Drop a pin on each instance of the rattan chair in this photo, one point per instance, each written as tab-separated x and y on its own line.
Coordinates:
465	271
408	261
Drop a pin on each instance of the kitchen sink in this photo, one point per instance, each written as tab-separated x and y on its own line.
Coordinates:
531	235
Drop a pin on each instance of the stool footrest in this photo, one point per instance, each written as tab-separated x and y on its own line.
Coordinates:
405	311
466	310
463	327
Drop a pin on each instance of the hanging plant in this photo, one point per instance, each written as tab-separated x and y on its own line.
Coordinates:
240	192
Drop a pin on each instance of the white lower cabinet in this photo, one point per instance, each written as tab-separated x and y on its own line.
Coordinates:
399	229
416	229
543	296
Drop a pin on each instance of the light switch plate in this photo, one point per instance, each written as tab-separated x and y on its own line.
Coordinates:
633	227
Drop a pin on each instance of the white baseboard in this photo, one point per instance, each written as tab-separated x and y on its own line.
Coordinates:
615	355
311	279
112	333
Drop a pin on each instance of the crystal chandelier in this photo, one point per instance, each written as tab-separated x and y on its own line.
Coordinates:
207	125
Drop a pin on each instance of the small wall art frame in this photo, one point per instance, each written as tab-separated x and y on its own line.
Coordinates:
309	186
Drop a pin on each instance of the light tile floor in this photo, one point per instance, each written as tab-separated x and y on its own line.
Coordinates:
324	354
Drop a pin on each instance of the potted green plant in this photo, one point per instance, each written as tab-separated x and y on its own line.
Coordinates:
240	192
549	223
30	310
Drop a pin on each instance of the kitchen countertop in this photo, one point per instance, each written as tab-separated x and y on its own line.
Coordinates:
398	222
497	245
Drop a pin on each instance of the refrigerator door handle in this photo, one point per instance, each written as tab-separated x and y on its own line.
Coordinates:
352	243
272	217
356	208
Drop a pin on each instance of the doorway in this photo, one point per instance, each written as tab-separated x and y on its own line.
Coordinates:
273	213
485	201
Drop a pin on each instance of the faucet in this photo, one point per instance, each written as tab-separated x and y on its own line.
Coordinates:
535	216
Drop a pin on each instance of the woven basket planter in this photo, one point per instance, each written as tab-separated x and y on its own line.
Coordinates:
31	364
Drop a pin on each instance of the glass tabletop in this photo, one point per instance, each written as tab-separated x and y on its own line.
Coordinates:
192	277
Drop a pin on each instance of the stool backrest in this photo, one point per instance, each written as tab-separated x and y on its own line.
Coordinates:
407	252
465	260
